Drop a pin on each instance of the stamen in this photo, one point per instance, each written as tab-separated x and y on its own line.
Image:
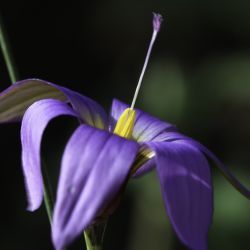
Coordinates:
157	20
125	124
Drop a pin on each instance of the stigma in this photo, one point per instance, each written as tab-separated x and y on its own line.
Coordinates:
125	123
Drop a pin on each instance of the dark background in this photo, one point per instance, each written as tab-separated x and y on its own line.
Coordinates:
198	78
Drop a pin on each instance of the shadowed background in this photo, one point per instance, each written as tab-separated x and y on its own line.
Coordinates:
198	78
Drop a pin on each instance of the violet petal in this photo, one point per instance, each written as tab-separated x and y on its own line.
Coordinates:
34	122
88	110
94	167
174	136
187	190
145	168
18	97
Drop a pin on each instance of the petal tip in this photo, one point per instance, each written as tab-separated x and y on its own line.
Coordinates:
33	206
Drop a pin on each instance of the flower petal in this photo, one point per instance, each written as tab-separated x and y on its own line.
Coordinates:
89	111
18	97
174	136
144	162
95	165
34	122
146	126
187	190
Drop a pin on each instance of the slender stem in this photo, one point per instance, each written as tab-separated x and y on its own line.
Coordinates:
4	44
94	235
48	204
89	246
48	197
48	194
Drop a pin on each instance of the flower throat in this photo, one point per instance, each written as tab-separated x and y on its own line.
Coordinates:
125	124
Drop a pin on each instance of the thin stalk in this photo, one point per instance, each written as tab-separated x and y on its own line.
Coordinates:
94	235
89	245
48	197
4	44
8	58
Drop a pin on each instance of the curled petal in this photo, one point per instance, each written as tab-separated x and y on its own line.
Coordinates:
144	162
146	126
174	136
34	122
187	190
95	165
146	167
18	97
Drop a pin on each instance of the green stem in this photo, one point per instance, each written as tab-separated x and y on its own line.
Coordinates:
4	44
94	235
88	243
48	197
12	70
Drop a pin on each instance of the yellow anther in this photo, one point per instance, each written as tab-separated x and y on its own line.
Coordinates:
125	125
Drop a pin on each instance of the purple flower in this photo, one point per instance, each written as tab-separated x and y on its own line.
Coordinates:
97	164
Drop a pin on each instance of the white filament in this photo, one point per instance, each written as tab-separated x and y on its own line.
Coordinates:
155	32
